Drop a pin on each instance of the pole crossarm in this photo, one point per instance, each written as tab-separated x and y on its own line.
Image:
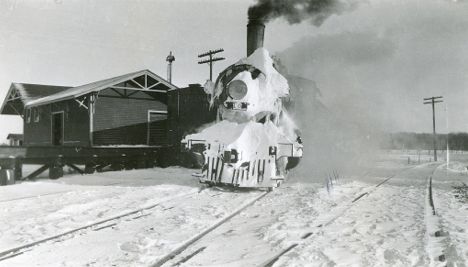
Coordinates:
211	52
434	97
211	59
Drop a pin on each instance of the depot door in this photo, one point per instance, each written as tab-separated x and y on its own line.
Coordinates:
57	128
157	128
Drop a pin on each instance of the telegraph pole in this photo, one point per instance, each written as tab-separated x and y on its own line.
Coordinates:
433	100
211	59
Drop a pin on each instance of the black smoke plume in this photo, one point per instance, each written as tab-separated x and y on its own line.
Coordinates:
295	11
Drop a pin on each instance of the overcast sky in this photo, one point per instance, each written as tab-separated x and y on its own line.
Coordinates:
377	61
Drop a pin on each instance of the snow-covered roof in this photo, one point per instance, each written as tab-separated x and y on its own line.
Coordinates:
100	85
21	94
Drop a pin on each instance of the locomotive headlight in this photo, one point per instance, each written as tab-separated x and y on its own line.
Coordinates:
237	89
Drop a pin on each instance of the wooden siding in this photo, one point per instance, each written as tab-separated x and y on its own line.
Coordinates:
157	128
76	125
38	133
123	121
76	122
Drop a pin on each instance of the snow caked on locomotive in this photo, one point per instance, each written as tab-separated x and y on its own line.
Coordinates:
253	142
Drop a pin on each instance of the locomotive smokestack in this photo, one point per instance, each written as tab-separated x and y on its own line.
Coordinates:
255	34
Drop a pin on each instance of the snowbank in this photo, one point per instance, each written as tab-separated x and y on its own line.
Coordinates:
251	140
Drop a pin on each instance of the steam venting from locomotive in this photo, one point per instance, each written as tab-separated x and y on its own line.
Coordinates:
344	138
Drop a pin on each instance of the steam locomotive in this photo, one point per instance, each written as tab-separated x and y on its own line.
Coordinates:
254	142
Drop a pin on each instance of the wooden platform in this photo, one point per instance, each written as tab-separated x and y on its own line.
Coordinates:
94	158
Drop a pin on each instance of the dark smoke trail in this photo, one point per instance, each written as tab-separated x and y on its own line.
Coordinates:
295	11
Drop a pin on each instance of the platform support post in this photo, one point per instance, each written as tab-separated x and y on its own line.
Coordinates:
18	168
56	168
90	168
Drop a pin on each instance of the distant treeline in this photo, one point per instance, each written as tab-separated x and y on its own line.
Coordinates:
456	141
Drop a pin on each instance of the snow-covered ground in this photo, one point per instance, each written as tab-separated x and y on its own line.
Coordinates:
451	205
350	222
386	227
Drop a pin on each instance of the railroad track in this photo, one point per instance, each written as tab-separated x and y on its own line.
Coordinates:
51	193
35	196
365	192
13	252
169	256
178	250
449	253
172	259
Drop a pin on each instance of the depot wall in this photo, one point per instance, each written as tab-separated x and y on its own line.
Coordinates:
119	121
38	128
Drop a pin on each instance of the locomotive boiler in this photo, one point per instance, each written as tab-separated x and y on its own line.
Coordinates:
254	142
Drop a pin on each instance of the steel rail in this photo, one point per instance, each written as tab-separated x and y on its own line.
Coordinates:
51	193
171	255
366	192
39	195
18	250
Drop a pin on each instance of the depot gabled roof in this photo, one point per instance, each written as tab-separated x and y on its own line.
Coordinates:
21	94
149	81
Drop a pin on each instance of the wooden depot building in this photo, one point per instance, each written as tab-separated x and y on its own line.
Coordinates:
99	123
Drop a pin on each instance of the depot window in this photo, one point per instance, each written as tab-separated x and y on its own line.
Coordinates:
36	114
28	115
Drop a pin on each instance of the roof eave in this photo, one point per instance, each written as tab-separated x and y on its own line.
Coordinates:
102	87
32	104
